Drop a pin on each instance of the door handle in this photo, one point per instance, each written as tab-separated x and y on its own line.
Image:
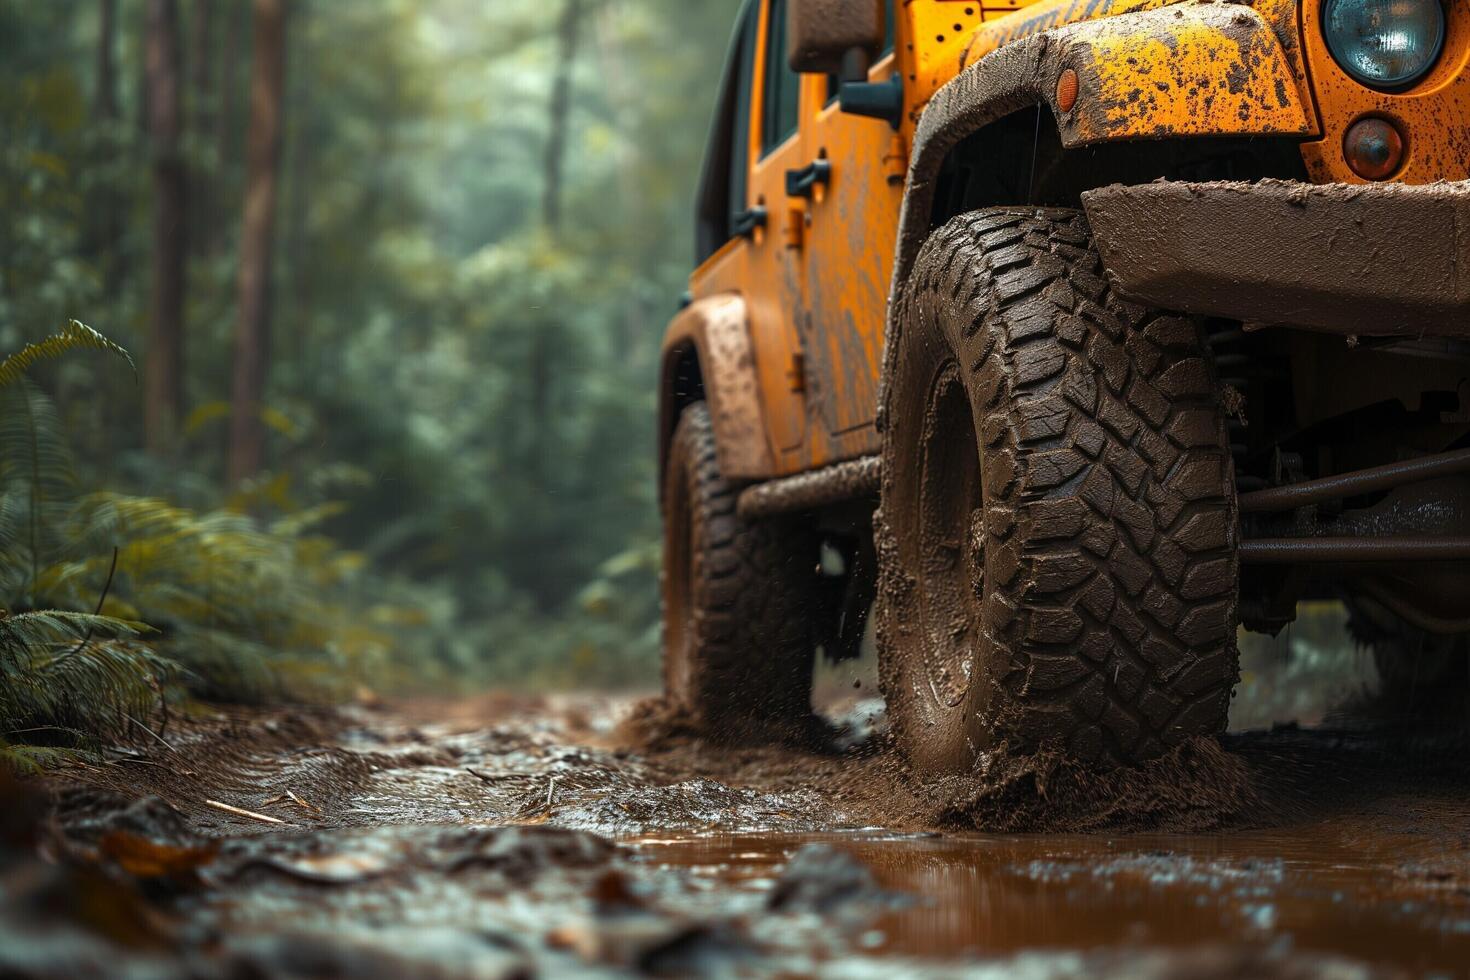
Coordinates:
744	223
803	182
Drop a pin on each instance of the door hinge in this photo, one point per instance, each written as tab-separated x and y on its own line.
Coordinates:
796	374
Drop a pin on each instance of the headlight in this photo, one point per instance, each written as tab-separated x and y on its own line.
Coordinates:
1384	43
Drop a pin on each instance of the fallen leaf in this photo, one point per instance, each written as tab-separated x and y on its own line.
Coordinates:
143	858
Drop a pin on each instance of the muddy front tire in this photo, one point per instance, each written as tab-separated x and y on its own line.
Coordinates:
1057	542
737	647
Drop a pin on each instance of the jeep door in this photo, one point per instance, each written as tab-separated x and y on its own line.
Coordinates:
742	208
852	216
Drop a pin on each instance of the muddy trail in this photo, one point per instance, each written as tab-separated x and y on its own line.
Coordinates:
587	835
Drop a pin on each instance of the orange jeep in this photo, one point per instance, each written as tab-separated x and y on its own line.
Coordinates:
1068	337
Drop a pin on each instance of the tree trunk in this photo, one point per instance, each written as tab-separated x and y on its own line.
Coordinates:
163	368
545	340
102	220
140	81
200	59
257	230
225	126
560	108
612	59
103	225
201	64
105	104
297	292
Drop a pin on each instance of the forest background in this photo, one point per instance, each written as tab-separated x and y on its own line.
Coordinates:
394	274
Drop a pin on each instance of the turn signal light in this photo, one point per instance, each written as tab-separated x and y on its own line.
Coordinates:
1374	148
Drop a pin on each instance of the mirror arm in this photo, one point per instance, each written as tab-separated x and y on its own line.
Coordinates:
878	100
855	65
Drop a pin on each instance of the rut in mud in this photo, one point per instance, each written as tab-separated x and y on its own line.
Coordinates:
585	835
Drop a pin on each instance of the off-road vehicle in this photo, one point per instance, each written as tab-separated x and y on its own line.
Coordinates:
1069	337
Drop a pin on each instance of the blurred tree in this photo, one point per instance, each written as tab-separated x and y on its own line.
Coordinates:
567	33
547	340
472	379
233	16
299	109
163	373
201	62
105	104
257	234
103	230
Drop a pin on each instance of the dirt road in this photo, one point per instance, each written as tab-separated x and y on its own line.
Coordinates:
583	835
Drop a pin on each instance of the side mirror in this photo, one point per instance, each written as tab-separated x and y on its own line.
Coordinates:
834	37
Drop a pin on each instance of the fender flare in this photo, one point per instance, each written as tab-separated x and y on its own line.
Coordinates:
1192	69
715	330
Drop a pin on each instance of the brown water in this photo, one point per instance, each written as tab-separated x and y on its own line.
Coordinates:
1321	889
509	838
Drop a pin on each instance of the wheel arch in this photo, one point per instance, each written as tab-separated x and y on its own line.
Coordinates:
1176	73
1135	98
707	355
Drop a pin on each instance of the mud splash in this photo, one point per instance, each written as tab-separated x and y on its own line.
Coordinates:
1195	787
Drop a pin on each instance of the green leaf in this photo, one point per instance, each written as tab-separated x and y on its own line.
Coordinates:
73	335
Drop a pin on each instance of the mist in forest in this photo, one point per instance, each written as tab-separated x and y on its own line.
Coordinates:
392	276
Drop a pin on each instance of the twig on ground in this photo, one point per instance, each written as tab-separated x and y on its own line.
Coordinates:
161	740
492	780
302	803
244	813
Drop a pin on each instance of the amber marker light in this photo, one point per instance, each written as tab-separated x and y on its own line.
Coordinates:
1374	148
1067	90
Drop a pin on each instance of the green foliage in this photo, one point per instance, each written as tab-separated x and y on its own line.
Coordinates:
78	690
459	395
37	479
244	609
74	335
251	611
64	675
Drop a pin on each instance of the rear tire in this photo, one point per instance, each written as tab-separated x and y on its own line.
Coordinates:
1057	535
737	646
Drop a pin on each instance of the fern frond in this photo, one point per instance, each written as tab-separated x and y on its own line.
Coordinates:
10	515
226	666
37	479
73	335
294	525
25	634
82	692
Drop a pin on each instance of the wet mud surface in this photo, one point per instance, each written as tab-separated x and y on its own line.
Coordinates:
587	836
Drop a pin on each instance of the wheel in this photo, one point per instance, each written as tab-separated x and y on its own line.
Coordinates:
1419	673
737	649
1057	533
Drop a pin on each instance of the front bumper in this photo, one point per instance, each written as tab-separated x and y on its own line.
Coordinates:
1380	259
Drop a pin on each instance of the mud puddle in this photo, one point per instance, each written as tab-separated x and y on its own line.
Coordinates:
505	837
1316	892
